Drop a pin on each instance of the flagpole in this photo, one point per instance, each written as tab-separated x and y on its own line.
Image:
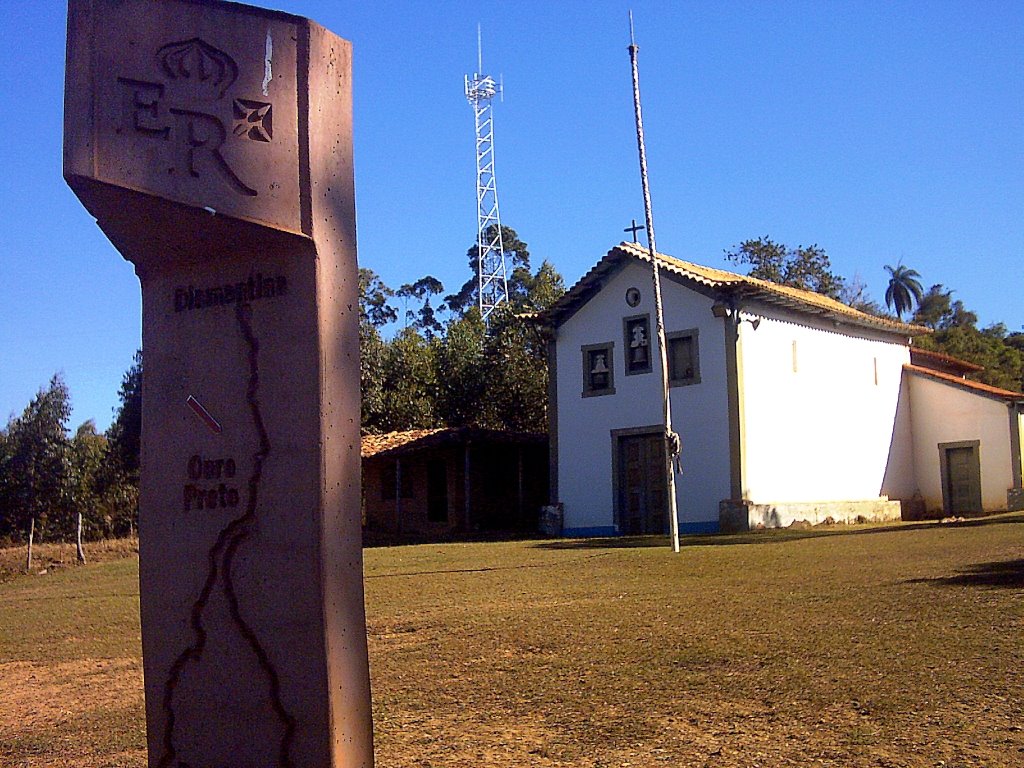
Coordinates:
672	442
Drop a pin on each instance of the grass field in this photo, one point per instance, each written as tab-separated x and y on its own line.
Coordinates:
893	646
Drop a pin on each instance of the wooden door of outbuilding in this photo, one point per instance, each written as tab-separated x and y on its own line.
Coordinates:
961	469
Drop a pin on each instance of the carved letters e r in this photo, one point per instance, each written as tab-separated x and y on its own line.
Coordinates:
191	110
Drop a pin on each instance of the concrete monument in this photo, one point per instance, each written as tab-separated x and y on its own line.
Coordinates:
212	142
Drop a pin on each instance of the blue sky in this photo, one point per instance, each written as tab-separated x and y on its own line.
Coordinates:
882	131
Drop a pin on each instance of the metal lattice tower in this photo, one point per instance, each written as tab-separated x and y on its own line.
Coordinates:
493	283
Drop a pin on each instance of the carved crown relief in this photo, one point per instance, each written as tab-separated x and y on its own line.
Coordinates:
200	63
190	107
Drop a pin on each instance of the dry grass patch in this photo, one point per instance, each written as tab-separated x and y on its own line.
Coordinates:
71	667
57	555
899	646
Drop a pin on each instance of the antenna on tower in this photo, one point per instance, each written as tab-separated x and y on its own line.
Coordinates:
492	279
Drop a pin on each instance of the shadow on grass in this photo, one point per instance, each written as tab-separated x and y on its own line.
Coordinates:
1007	574
773	535
373	539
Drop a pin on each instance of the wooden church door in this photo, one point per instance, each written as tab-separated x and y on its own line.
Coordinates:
643	502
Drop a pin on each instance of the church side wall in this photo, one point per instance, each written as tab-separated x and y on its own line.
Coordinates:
945	413
820	410
586	460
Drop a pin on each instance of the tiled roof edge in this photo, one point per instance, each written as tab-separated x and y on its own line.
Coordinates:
973	386
796	299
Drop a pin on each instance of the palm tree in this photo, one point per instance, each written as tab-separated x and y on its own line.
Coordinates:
904	289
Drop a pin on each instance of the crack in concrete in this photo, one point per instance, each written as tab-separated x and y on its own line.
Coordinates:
220	559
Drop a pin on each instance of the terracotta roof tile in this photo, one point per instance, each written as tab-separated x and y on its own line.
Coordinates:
729	282
374	444
414	439
975	386
928	355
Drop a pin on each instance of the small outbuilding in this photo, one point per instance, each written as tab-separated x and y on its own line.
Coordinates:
965	438
442	484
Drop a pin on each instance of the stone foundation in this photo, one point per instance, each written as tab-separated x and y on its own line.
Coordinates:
551	519
1015	499
738	515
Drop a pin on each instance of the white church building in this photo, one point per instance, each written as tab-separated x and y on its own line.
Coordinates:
790	407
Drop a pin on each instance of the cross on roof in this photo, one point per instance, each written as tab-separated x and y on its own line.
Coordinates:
634	230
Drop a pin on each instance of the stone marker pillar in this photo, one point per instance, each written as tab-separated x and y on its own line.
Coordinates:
213	144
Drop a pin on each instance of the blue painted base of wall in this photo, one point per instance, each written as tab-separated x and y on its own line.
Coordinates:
702	526
593	532
601	531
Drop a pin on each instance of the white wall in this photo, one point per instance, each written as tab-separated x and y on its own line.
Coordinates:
945	413
900	481
820	410
699	411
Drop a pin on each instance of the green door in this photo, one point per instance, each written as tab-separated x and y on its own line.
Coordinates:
963	480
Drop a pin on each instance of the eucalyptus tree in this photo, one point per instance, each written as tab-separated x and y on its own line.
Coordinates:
425	318
124	437
34	466
517	264
373	299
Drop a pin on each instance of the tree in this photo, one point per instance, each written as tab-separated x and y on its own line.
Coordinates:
8	526
373	299
374	313
408	383
425	318
904	289
854	293
933	306
937	310
517	259
810	269
956	334
496	376
516	375
1003	363
807	268
460	370
125	434
116	508
767	259
34	475
87	457
540	290
371	377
